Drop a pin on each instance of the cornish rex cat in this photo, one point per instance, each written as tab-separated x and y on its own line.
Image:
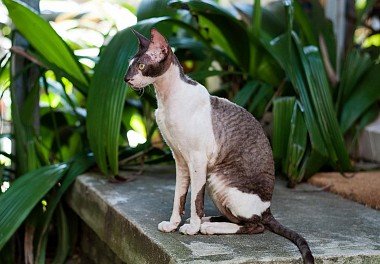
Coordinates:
215	144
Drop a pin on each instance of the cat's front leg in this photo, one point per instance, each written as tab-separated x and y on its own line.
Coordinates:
181	187
198	171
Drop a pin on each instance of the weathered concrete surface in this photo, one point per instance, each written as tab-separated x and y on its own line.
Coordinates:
125	217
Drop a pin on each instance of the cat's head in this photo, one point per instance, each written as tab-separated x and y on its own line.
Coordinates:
152	59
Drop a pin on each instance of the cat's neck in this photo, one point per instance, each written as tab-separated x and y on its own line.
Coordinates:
171	82
166	83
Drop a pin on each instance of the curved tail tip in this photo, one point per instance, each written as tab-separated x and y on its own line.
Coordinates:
308	259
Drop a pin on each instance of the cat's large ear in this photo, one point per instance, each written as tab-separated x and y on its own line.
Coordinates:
158	43
143	41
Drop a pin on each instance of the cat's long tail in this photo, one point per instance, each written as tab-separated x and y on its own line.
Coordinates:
273	225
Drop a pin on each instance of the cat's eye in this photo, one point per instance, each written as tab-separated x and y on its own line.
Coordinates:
141	66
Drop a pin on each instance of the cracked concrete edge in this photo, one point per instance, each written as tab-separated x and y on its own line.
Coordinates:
122	237
139	246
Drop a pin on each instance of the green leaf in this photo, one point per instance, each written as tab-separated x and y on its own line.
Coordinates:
77	166
107	95
24	131
108	91
304	22
296	146
282	115
256	19
201	75
23	195
366	93
272	14
322	102
63	246
283	50
245	93
44	39
355	66
153	8
216	20
314	24
261	99
305	69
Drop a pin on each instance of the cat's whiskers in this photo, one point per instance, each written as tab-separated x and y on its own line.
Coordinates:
140	91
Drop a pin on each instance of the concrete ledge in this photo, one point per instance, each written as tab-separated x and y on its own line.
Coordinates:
125	217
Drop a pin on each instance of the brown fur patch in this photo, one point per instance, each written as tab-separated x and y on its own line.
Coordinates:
245	157
251	228
182	201
199	202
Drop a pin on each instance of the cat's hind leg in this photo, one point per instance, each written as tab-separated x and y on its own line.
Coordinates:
220	218
222	228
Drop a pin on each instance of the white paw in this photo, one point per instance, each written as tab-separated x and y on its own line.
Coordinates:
189	229
207	228
203	219
167	227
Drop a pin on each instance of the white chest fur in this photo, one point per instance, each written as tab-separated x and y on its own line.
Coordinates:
184	119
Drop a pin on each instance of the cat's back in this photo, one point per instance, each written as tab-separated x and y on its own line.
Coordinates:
235	126
242	144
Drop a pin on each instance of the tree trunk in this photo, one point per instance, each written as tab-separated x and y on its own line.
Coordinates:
24	77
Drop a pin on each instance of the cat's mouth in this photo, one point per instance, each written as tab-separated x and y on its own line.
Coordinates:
135	87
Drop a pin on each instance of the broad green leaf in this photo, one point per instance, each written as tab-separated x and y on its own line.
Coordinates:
304	22
315	23
108	92
355	66
256	19
63	246
284	51
366	93
77	166
260	100
23	195
268	70
322	102
305	69
201	75
245	93
44	39
282	116
222	27
296	146
153	8
273	16
312	163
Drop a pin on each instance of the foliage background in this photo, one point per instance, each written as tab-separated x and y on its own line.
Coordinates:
279	61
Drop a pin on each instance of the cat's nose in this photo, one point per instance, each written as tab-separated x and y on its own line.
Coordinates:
127	79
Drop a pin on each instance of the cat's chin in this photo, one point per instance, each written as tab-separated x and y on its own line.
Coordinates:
136	88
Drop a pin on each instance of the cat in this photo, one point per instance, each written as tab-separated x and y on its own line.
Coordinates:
216	145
